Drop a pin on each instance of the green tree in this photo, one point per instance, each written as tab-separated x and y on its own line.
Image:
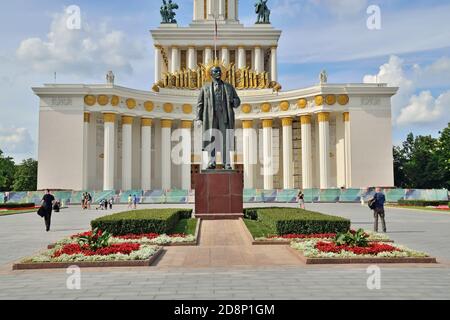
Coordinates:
443	154
25	178
7	169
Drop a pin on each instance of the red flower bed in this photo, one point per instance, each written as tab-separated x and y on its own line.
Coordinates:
372	248
74	248
306	236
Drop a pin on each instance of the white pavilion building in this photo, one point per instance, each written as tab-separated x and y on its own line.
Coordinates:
107	137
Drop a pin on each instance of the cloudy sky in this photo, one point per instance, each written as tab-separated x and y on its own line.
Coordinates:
411	50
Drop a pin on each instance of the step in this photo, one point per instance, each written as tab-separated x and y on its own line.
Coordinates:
219	216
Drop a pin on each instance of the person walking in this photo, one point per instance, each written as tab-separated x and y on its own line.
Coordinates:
135	201
130	201
301	200
88	201
48	200
378	201
111	201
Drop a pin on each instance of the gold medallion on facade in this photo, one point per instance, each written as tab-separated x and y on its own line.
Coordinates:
343	99
149	106
330	99
246	108
168	107
302	103
131	104
266	107
103	100
187	108
115	100
90	100
318	100
284	105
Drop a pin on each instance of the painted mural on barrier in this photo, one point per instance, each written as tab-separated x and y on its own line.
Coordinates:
250	195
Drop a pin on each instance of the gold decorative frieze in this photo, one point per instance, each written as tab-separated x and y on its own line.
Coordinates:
149	106
131	104
330	99
168	107
323	117
318	100
306	119
103	100
90	100
194	79
284	105
286	122
247	124
186	124
115	100
187	108
246	108
346	116
266	107
145	122
166	123
267	123
343	99
127	120
302	103
109	117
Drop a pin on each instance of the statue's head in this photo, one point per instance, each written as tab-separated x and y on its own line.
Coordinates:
216	73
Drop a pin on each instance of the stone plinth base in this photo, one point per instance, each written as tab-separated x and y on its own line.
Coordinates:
219	194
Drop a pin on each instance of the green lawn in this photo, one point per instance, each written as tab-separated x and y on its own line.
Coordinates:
419	208
12	212
258	229
186	226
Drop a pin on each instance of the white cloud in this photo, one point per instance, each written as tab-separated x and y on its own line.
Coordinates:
16	141
343	8
409	108
424	108
88	51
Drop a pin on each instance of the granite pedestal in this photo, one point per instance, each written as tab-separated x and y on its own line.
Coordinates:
219	194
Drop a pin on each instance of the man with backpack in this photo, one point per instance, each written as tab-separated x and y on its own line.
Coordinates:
377	205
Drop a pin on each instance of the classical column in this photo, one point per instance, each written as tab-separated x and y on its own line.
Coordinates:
166	161
259	59
146	154
192	59
248	143
222	9
127	150
241	58
347	151
109	153
87	120
210	9
208	55
158	65
273	64
186	129
225	55
306	151
267	154
324	149
288	174
175	62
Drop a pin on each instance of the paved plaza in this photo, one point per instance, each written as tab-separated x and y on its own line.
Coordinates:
226	266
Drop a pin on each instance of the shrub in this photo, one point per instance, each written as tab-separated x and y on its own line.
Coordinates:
158	221
16	205
422	203
298	221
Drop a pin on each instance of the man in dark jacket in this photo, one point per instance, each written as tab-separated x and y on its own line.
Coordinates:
215	112
378	210
47	202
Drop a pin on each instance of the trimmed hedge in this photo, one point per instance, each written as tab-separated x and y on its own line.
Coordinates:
141	221
16	205
297	221
422	203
